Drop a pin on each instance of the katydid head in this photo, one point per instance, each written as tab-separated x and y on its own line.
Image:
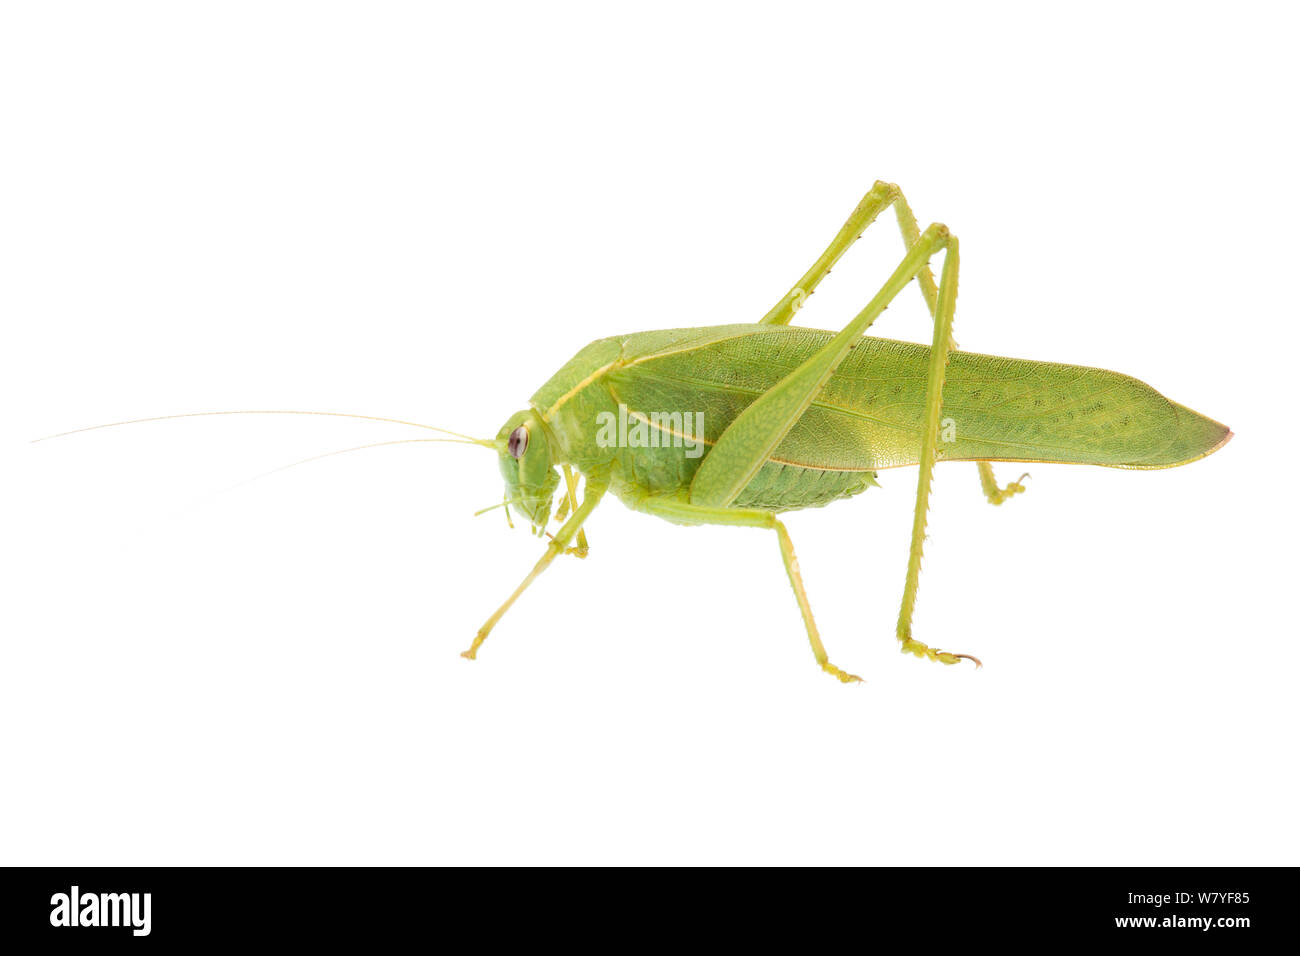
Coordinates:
524	455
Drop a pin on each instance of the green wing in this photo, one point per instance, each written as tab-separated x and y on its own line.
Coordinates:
868	417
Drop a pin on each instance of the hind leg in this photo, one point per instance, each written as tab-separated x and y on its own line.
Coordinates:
881	196
944	309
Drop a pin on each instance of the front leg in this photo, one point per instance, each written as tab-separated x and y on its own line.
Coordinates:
682	513
567	501
597	484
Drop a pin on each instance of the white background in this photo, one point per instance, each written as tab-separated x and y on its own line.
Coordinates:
422	211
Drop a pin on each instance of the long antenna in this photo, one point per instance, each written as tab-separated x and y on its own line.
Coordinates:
344	451
485	442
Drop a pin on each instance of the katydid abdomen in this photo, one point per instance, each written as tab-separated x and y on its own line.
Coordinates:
867	418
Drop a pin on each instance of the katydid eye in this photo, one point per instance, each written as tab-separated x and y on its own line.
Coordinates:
518	442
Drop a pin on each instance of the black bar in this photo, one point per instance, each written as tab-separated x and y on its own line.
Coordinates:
1222	907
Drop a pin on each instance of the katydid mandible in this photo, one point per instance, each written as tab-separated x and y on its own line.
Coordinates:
750	421
736	424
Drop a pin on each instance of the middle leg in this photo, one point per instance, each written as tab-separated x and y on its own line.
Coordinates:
682	513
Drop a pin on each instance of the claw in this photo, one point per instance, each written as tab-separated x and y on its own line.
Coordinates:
957	657
943	657
472	652
844	677
578	550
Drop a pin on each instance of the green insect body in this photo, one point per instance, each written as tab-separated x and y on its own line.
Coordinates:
735	424
867	418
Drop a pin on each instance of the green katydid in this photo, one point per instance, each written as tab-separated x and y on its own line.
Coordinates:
796	418
749	421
